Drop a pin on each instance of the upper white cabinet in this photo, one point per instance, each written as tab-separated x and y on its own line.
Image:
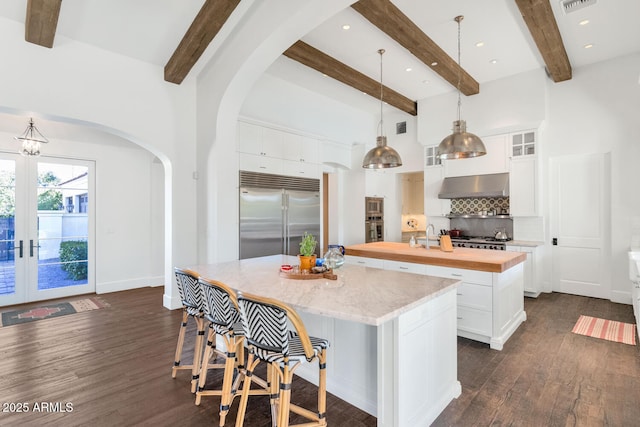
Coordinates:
495	161
334	154
523	178
300	148
433	176
267	150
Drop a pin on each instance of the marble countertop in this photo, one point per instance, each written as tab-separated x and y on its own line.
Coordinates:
360	294
471	259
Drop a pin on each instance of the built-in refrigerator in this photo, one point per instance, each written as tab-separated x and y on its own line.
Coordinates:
275	212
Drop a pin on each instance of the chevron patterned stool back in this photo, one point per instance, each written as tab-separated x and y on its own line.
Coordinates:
192	308
265	323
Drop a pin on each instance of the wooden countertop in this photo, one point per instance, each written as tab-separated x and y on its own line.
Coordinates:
471	259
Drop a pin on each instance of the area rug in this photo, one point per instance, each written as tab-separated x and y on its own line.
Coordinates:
606	329
47	311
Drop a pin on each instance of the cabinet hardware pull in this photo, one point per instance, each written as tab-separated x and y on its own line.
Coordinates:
403	268
360	262
459	294
460	318
456	274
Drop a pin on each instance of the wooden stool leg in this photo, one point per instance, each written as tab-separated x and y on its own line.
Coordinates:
322	387
197	354
285	396
273	381
204	368
251	365
227	381
181	334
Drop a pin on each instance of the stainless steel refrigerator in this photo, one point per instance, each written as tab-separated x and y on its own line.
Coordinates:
273	221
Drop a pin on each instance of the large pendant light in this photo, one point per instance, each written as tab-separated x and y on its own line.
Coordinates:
460	144
31	140
381	156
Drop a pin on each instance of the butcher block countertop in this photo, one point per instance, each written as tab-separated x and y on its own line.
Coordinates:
471	259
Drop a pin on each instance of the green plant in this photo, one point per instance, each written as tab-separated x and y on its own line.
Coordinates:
308	244
73	255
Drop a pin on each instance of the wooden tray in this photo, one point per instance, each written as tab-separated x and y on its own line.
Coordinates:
309	276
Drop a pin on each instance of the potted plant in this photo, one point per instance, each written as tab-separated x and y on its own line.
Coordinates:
307	254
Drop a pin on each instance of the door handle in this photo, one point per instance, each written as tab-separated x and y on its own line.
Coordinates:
21	247
31	246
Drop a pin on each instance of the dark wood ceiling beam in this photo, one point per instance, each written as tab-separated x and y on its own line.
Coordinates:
320	61
41	21
538	16
205	26
388	18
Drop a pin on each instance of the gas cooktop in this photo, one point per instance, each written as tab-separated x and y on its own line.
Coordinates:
479	239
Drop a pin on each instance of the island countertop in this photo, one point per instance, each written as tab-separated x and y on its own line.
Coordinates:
472	259
360	294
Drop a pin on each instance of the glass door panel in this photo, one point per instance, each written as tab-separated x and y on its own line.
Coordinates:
46	223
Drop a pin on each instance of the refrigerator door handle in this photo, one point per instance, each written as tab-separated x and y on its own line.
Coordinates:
285	222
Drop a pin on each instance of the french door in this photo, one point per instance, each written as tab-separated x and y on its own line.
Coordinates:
46	228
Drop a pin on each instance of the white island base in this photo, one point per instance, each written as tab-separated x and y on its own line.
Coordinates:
404	371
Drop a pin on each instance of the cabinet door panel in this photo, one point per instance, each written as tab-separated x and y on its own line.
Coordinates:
495	161
475	321
475	296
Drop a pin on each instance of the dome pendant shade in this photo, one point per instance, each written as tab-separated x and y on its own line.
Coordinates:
381	156
461	144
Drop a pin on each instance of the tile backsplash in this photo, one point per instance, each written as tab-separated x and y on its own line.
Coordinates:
475	205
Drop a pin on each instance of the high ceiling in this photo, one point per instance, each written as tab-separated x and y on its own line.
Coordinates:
151	30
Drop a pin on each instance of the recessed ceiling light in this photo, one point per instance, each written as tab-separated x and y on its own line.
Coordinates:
408	69
346	26
425	82
494	61
479	44
588	46
583	22
324	75
434	63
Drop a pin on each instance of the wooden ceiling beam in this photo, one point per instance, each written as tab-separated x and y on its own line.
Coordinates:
205	26
41	21
538	16
389	19
320	61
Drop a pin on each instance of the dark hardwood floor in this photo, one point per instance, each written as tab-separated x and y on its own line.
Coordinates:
113	367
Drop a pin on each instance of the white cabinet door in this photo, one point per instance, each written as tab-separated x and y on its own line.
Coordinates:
256	163
249	138
433	206
530	277
523	198
364	261
301	169
272	142
405	267
495	161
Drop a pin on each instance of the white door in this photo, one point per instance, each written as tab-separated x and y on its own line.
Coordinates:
581	224
46	228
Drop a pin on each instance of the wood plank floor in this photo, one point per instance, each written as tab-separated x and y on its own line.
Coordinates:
113	366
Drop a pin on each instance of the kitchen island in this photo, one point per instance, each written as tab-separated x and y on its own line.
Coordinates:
490	298
393	334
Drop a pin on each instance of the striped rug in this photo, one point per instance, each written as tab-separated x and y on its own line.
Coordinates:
606	329
49	310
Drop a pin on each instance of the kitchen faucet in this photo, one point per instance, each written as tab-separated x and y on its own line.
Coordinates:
434	232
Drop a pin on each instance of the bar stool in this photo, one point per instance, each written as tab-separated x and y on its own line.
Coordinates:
192	304
268	339
221	310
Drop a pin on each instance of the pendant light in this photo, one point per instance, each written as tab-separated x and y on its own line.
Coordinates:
381	156
31	140
460	144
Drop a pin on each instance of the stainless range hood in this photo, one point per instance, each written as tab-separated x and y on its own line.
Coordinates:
463	187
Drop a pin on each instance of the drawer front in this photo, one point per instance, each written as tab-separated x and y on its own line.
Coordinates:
475	296
406	267
472	276
474	321
363	261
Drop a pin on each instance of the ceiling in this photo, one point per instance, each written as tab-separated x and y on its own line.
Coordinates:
151	30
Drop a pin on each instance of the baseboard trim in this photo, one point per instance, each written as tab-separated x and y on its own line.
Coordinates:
124	285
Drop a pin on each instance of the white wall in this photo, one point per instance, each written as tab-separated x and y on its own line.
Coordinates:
126	199
79	84
596	111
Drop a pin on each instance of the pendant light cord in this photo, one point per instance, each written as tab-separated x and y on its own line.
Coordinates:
381	124
458	19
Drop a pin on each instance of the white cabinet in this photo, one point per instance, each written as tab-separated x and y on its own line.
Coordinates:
523	194
259	140
334	154
523	178
273	151
495	161
531	287
364	261
433	206
490	305
405	267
